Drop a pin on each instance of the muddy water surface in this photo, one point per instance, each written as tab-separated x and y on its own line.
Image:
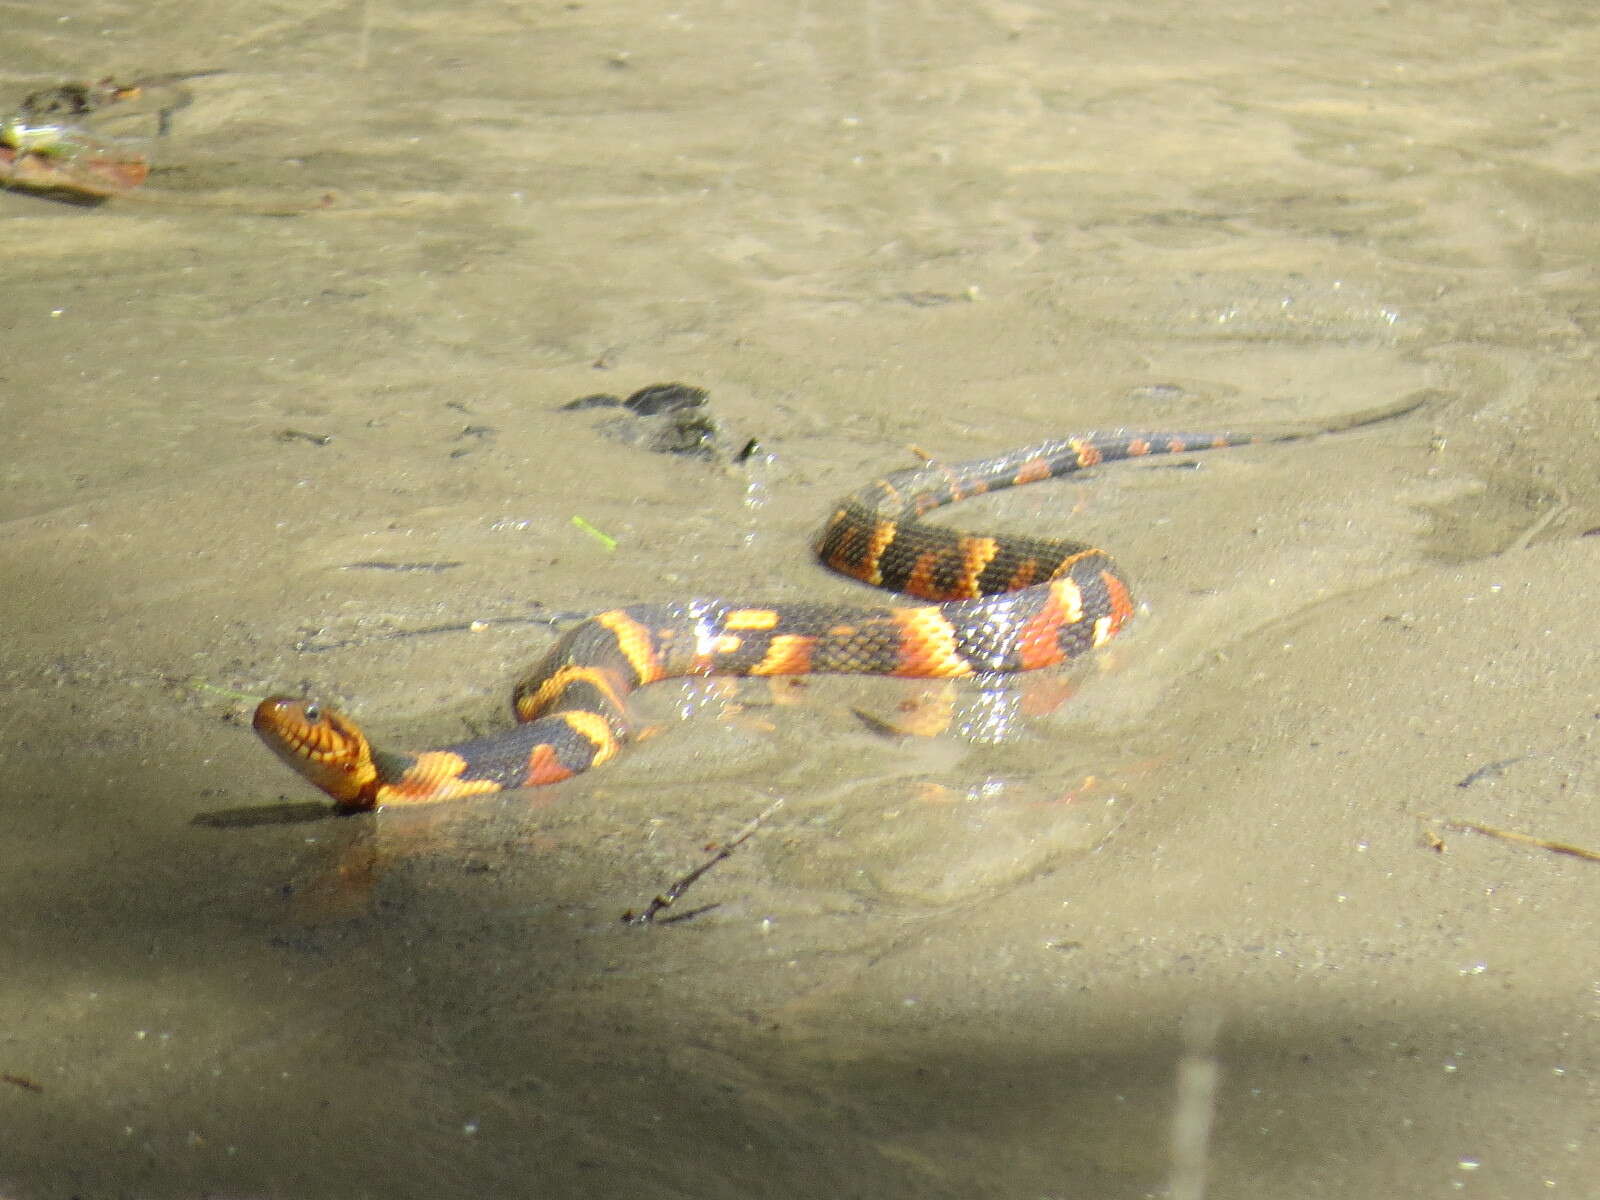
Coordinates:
336	328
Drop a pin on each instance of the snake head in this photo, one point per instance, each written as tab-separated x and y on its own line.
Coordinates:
322	745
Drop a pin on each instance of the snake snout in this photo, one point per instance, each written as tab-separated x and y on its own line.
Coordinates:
323	746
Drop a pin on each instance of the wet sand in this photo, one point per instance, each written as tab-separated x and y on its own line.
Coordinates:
1238	841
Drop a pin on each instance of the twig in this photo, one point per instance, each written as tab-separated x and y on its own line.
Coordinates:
1523	839
671	896
599	535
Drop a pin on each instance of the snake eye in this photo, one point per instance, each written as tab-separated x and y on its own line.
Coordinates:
313	712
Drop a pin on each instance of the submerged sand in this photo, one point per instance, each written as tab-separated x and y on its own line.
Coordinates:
336	328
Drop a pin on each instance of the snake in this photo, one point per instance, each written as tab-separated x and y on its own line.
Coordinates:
988	603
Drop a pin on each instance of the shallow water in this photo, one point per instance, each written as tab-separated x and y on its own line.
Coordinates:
952	967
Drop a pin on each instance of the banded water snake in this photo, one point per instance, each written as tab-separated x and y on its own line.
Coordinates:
992	603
